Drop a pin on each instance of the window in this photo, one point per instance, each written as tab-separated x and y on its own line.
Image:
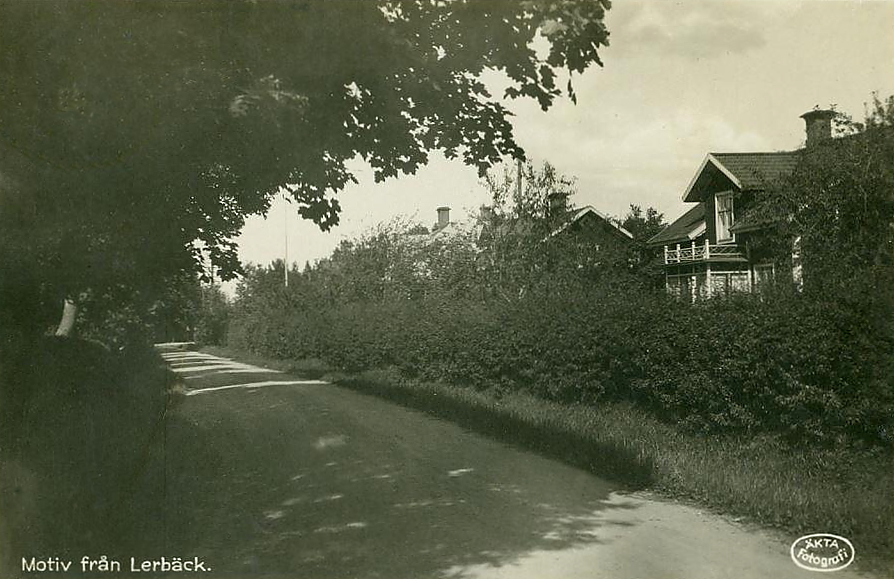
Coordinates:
724	204
764	273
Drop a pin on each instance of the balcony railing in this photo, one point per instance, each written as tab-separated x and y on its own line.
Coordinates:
703	252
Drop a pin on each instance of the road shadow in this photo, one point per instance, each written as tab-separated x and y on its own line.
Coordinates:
623	465
255	490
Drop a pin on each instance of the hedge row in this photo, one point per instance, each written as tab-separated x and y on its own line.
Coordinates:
788	365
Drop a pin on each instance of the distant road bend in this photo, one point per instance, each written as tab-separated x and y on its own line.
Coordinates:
270	475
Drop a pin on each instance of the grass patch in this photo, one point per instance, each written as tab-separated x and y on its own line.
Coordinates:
845	491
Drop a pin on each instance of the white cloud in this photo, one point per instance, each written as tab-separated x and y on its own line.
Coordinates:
693	30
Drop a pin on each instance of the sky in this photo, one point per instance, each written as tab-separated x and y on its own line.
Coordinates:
680	79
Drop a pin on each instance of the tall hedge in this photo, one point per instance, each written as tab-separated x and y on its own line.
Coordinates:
807	369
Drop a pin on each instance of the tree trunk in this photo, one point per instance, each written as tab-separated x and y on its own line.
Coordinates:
69	316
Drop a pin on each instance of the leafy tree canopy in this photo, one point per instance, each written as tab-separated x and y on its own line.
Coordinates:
839	204
523	191
643	225
129	130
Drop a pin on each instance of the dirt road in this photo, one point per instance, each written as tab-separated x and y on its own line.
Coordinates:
268	475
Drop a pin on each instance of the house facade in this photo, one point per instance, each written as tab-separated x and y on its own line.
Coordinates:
713	248
585	229
591	226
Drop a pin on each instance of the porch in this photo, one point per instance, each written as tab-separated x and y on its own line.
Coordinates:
702	252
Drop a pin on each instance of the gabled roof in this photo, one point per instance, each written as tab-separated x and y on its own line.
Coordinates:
754	170
687	227
526	225
745	171
579	214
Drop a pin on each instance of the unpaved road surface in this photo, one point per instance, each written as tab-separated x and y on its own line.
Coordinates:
268	475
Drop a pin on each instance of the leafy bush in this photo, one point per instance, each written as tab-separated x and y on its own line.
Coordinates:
788	364
212	317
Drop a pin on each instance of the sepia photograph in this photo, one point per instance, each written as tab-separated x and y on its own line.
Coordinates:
447	289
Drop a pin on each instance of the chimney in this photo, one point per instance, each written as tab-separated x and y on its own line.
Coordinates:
443	217
819	125
558	203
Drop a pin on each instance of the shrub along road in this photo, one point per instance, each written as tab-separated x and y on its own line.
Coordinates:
272	475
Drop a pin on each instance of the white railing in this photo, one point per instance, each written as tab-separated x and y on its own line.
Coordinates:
701	252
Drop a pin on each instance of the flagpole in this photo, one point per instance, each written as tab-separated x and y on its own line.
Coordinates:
285	221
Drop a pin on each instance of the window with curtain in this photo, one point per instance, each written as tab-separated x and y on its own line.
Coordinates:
724	204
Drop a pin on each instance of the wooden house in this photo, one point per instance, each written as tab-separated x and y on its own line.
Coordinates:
714	248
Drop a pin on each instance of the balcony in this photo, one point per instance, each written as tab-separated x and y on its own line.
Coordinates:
703	252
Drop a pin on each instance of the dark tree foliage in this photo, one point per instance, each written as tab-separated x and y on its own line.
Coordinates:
212	317
643	225
516	223
839	206
136	135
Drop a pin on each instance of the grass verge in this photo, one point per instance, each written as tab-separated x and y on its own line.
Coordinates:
800	490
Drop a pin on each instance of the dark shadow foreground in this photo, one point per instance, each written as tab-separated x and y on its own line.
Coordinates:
79	467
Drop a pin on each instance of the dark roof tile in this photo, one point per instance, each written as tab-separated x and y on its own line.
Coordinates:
681	229
754	170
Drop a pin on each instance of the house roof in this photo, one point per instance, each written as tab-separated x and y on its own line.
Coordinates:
451	231
579	214
688	226
746	171
526	225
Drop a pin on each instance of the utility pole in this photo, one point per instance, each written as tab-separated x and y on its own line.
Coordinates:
285	261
